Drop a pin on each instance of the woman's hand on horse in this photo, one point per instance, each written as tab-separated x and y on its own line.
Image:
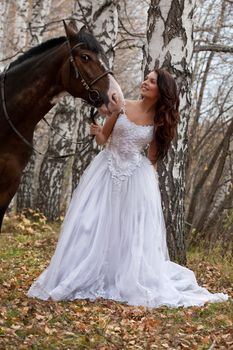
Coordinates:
114	114
95	129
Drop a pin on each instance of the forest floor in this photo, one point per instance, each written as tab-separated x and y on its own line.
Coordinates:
26	247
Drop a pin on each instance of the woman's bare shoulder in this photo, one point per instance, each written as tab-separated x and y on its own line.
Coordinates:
131	103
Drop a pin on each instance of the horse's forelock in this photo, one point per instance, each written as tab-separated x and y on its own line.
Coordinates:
89	42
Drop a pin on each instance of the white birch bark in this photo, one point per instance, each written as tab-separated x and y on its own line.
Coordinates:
4	6
55	179
20	32
169	45
38	13
55	173
17	42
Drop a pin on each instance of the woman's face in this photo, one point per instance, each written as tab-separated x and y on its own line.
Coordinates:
149	88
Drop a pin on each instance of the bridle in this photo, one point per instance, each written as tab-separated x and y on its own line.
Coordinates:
94	98
94	95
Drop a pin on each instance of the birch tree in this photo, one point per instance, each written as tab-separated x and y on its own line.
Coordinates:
55	181
209	170
29	183
11	46
101	18
169	45
20	38
55	172
4	6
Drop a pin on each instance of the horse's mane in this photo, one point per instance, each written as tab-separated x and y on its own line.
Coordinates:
89	43
47	45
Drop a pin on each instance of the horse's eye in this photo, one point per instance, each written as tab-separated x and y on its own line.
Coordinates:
85	58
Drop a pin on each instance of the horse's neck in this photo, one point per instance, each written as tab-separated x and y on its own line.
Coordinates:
32	85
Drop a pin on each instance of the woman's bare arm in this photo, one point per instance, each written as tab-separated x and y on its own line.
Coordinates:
102	133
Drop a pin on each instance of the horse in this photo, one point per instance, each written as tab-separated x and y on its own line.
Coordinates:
75	64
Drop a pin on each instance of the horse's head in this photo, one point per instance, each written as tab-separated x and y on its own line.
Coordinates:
86	75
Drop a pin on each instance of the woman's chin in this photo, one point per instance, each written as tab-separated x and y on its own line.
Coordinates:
143	93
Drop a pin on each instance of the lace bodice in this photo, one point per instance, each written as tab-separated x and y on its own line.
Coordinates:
127	142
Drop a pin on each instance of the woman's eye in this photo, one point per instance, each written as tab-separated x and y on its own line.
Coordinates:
85	58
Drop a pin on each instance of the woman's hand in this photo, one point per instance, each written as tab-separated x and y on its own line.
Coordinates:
95	129
114	114
102	133
105	113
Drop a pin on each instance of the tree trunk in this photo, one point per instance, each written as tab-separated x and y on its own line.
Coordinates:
29	183
206	72
215	183
169	45
55	177
194	135
3	15
16	17
20	32
53	174
101	18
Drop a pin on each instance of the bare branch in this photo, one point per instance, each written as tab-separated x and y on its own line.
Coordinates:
139	35
213	48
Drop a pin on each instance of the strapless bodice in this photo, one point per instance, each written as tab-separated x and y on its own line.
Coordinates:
127	143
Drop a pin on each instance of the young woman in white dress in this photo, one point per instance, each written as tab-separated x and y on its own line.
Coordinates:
113	240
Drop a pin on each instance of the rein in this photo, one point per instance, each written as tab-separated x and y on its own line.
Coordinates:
94	97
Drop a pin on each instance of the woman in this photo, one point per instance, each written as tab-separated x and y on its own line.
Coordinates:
113	239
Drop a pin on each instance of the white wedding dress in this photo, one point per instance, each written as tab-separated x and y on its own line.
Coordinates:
113	240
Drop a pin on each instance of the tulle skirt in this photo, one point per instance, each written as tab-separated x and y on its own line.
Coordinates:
112	245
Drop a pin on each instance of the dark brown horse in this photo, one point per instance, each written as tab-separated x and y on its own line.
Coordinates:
75	64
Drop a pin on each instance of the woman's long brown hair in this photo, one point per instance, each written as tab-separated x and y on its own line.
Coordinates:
166	113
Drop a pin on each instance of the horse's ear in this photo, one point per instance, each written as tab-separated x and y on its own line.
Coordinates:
84	28
71	29
72	24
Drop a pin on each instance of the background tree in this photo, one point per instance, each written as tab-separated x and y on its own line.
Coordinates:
102	20
34	29
55	178
169	45
4	7
209	172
